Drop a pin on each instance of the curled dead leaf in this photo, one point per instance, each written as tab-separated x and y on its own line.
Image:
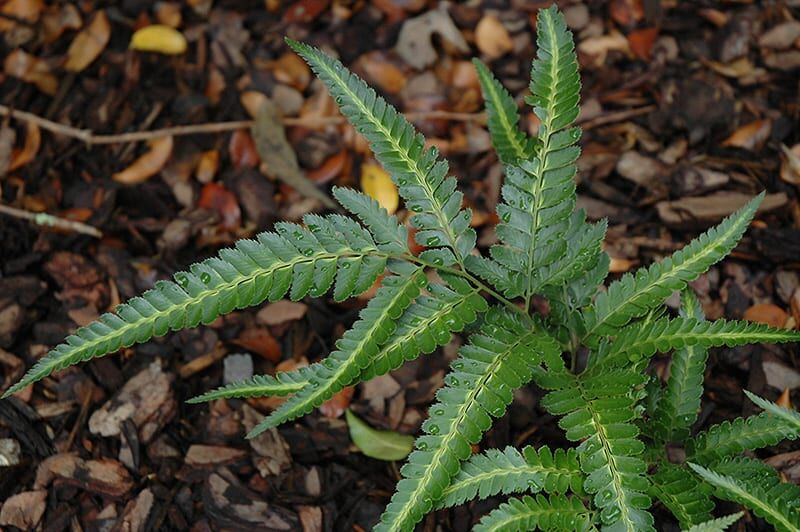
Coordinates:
31	69
22	10
149	164
57	19
159	38
767	313
750	136
89	43
252	102
492	38
219	199
242	150
790	164
336	405
33	139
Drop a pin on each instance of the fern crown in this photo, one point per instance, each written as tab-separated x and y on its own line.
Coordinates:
619	418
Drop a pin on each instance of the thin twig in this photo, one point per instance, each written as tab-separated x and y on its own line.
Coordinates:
40	218
615	116
88	137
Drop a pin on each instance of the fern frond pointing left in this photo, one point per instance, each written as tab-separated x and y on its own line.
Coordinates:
421	177
333	250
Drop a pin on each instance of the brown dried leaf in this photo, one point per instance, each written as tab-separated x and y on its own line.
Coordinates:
414	42
492	38
305	10
785	400
273	454
259	341
790	164
750	136
57	19
381	72
24	510
31	69
336	405
33	139
212	455
103	476
252	102
626	12
207	166
89	43
233	507
242	150
148	164
705	210
780	37
767	313
292	70
281	312
24	10
641	42
215	197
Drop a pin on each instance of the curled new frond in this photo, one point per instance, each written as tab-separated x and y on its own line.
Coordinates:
512	471
332	251
599	410
774	501
683	494
420	175
636	294
679	404
730	438
540	513
355	350
720	524
494	363
640	341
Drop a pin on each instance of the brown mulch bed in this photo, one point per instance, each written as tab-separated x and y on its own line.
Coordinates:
688	108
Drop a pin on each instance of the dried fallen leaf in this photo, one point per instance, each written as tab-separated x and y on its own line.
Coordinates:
641	42
376	183
414	42
336	405
379	444
159	38
207	166
30	69
57	19
169	14
212	455
381	72
281	311
24	510
626	12
89	43
767	313
782	36
102	476
492	38
292	70
705	210
22	10
242	150
33	139
215	197
252	101
780	376
597	48
750	136
305	10
790	164
148	164
258	340
785	399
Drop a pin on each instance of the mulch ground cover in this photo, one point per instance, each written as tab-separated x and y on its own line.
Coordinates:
689	108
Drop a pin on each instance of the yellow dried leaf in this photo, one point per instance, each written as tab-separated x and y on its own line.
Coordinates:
376	183
89	43
148	165
159	38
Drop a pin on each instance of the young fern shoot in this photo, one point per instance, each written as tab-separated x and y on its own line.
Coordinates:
619	418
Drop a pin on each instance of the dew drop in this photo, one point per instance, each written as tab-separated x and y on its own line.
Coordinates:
182	279
458	365
313	384
433	429
438	412
453	381
308	252
313	228
205	277
532	484
345	265
506	216
422	445
416	208
299	235
437	261
433	241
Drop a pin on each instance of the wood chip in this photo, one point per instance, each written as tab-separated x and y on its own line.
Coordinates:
706	210
103	476
272	451
24	510
210	455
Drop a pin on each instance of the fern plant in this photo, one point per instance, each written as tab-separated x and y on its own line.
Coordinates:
620	419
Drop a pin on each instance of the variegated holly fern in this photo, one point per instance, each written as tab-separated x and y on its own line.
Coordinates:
622	423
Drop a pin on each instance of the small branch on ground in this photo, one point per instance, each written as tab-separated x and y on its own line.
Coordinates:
44	219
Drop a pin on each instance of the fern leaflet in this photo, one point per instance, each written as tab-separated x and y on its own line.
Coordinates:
790	417
634	296
678	406
489	368
292	260
778	505
719	524
683	494
512	471
421	177
557	513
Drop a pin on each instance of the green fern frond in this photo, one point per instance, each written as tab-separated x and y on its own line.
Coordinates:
789	417
511	471
683	494
497	275
390	236
421	177
510	143
355	350
584	247
295	260
424	326
679	404
539	195
639	341
599	409
742	434
720	524
494	363
778	504
634	295
556	513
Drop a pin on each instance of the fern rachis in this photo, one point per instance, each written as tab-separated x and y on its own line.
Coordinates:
546	248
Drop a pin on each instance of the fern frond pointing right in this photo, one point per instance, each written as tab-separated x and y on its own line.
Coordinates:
778	509
294	260
686	496
790	417
421	177
634	295
541	513
513	471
